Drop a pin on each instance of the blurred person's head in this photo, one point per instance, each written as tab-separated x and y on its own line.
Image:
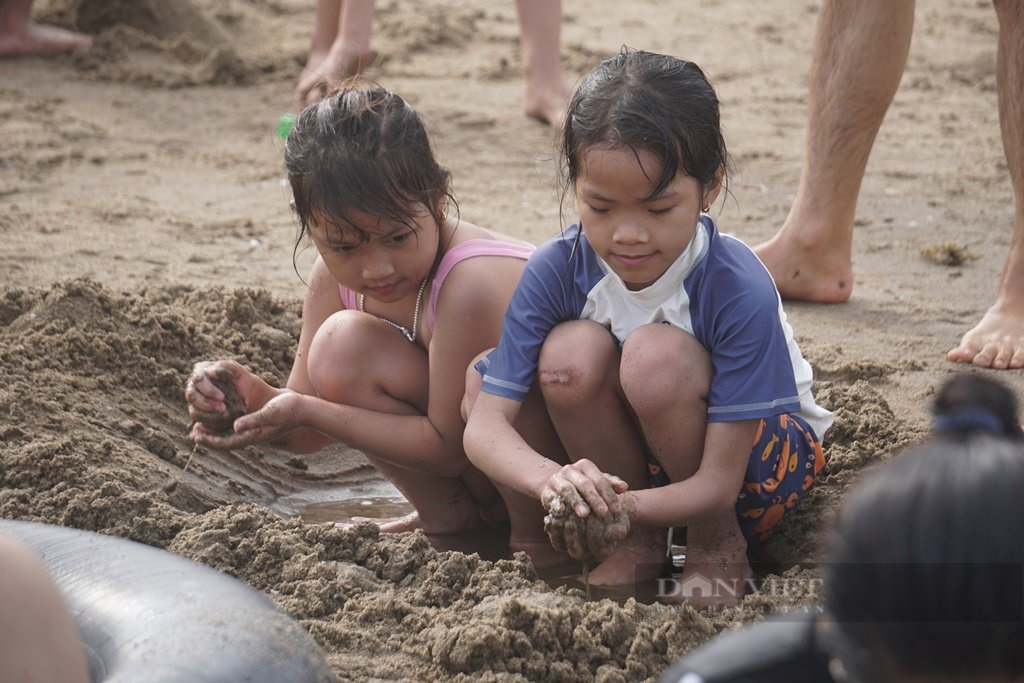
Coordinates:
925	573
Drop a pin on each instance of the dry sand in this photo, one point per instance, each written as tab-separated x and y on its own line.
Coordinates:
144	225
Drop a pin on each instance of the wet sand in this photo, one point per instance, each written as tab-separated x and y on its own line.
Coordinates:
144	226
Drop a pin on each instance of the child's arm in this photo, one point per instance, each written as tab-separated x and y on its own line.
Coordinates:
497	449
468	320
713	488
321	301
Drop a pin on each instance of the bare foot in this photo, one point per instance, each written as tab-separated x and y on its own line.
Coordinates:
542	554
321	74
641	557
997	341
412	522
393	525
716	572
709	586
547	105
821	274
41	39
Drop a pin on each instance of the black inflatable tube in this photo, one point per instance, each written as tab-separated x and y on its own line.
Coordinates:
781	649
148	615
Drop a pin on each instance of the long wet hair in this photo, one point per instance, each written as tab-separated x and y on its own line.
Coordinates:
363	149
651	102
925	573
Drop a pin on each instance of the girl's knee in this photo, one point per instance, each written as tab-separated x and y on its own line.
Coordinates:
574	360
663	362
339	352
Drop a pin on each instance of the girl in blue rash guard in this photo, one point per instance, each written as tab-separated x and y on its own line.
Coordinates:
657	344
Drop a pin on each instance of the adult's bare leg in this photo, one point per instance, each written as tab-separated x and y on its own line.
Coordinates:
540	28
997	341
860	50
19	35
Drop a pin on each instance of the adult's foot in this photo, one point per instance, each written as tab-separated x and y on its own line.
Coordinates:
996	342
41	39
821	274
547	104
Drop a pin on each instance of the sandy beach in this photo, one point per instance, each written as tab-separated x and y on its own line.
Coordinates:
144	225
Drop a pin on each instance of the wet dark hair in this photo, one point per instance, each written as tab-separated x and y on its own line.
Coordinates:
363	148
646	101
968	403
926	566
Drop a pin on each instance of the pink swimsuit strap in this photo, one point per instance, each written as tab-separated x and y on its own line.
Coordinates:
466	250
460	252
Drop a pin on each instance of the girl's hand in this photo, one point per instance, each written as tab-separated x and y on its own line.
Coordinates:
581	487
214	395
273	420
569	496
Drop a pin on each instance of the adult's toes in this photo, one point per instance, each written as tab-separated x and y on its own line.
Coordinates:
986	356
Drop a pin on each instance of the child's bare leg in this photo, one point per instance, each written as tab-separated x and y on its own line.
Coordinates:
859	53
21	36
664	375
540	27
579	369
355	360
717	552
997	341
525	514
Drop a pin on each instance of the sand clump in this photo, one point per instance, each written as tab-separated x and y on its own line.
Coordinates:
160	43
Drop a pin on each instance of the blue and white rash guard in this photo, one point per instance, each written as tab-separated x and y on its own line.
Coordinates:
716	290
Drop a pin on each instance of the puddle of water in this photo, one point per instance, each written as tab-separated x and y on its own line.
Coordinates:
373	507
375	498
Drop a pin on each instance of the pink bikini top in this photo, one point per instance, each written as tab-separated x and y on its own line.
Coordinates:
460	252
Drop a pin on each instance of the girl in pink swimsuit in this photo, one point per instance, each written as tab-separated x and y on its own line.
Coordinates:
401	298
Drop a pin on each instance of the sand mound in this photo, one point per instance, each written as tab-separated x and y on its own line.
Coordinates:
166	43
92	384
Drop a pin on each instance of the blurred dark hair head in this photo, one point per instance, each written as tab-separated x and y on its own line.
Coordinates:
969	403
926	564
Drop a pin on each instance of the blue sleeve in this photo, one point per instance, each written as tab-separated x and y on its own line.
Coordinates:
543	298
746	335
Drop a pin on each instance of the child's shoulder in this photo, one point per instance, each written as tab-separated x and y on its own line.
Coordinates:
457	232
731	267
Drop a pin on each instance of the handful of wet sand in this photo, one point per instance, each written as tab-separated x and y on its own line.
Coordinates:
586	539
224	380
